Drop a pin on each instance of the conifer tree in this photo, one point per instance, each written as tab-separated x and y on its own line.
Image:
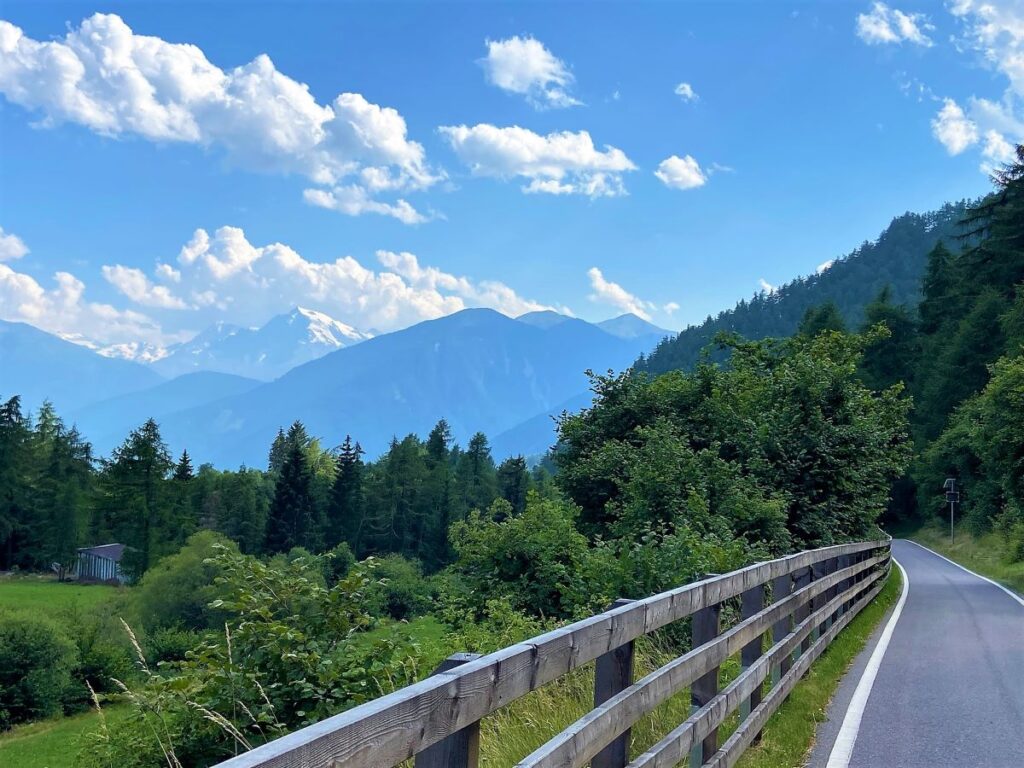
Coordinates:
291	518
514	482
347	508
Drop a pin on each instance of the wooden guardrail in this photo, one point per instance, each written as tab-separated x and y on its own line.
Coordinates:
813	595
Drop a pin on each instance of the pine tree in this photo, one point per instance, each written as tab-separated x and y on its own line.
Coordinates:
894	358
824	317
183	469
278	451
347	508
14	465
291	518
134	495
514	482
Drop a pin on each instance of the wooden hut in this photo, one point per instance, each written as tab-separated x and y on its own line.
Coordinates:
102	563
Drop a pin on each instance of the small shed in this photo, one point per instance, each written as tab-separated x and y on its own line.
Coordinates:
101	563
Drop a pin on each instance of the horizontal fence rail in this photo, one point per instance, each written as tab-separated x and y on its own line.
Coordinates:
813	596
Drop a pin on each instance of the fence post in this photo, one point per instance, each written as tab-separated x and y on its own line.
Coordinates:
830	567
782	588
751	602
800	581
613	672
845	561
462	748
705	627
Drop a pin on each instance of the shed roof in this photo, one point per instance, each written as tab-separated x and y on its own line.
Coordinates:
109	551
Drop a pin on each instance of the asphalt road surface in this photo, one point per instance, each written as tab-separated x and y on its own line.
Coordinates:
949	689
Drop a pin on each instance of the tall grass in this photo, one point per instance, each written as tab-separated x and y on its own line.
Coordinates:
986	554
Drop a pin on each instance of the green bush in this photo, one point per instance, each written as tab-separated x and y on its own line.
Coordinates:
170	644
178	590
400	591
36	663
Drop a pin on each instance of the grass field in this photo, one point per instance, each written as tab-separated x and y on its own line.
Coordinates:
52	743
47	595
985	554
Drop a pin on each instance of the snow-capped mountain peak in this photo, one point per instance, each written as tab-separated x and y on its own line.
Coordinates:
266	352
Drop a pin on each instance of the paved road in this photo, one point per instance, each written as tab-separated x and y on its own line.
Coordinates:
950	688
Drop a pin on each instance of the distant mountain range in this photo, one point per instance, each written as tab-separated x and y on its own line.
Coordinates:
480	370
261	353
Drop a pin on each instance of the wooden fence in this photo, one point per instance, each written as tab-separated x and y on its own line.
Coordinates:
813	595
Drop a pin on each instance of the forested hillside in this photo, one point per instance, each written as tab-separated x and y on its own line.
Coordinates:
897	259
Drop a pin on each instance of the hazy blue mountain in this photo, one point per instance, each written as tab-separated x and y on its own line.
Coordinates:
629	326
107	423
478	369
39	366
546	318
534	436
261	353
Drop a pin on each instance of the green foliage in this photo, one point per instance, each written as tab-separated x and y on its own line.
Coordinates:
178	590
785	447
536	561
292	652
36	663
820	318
400	590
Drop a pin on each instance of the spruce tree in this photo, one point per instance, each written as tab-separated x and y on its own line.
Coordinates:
346	509
291	518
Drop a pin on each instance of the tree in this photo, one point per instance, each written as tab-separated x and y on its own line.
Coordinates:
514	483
476	478
824	317
345	516
292	514
134	501
893	356
15	464
183	469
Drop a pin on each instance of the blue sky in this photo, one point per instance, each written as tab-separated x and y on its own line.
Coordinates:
446	155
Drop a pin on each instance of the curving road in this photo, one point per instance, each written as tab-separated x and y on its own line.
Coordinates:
940	686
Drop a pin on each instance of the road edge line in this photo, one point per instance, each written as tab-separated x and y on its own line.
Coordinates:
842	748
994	583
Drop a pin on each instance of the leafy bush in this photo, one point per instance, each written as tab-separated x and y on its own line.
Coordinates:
293	652
178	590
536	561
36	663
400	590
170	644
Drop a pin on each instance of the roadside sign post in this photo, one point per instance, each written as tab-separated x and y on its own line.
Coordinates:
952	496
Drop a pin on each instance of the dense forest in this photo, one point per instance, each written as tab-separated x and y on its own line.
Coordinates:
267	599
896	260
57	497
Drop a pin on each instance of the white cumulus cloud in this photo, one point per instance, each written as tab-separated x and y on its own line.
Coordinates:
224	276
558	163
885	25
824	266
134	284
766	286
613	294
107	78
954	130
681	173
685	92
522	65
11	246
63	310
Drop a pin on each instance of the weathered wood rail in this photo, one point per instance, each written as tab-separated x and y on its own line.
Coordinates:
812	594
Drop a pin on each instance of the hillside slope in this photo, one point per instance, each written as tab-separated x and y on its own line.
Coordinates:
897	258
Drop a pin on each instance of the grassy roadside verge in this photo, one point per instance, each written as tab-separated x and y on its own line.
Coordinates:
789	735
982	554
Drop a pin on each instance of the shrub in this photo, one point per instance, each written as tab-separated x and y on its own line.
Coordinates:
36	662
177	591
171	644
537	561
400	591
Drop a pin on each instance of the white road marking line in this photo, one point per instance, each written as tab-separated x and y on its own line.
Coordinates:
1007	590
842	750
